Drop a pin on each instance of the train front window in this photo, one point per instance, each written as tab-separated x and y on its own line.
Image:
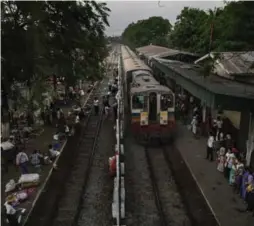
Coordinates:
139	102
167	101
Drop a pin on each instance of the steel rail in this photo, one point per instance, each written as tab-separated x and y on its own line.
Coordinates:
155	188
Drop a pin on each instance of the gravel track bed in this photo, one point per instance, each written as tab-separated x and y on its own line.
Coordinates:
68	205
140	202
97	197
171	201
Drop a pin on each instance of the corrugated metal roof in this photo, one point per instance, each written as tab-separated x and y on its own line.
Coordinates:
238	62
159	51
152	50
233	63
213	83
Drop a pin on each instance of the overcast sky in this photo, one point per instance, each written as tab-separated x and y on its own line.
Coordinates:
125	12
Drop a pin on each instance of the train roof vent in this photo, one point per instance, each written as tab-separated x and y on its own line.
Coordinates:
150	87
146	79
186	67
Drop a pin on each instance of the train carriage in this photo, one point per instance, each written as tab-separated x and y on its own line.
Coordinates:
152	111
151	105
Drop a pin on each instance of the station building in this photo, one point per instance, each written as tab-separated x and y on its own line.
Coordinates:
229	89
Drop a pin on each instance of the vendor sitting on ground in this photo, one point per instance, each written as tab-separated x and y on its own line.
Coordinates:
67	130
52	152
11	214
35	159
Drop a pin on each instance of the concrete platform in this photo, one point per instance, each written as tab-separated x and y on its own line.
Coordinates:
224	203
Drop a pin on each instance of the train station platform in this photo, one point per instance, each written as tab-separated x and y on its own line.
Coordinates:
227	207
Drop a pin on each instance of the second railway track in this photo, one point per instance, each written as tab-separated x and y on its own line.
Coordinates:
170	208
82	169
152	194
80	172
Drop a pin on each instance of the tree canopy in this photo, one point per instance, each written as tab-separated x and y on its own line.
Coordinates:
152	30
230	28
43	38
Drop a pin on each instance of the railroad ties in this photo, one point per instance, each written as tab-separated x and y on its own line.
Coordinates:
76	183
169	204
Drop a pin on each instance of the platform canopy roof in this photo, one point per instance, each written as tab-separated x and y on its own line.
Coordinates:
160	51
213	83
232	63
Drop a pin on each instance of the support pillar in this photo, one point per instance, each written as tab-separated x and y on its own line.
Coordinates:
204	119
244	130
250	143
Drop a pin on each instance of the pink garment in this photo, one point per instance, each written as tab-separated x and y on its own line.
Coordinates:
234	150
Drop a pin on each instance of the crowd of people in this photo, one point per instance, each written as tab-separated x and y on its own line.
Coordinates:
230	163
112	91
32	163
220	146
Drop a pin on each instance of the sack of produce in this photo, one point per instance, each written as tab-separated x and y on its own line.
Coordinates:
29	178
10	186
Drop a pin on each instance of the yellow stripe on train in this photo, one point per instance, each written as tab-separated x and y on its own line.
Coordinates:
135	119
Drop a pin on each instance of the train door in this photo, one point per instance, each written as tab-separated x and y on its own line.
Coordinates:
166	108
153	107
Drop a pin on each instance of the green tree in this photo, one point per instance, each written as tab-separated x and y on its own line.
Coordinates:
46	37
152	30
231	28
189	27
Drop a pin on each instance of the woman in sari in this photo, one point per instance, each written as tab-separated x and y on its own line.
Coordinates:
244	182
228	163
250	198
239	176
233	164
249	185
221	160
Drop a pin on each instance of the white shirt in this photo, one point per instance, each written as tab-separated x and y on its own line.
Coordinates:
210	141
96	102
9	209
53	152
55	136
21	158
58	114
219	124
82	93
67	130
77	119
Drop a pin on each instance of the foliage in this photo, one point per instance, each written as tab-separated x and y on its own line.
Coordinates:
48	37
152	30
232	29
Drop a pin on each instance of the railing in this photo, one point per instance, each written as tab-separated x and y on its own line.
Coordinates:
118	205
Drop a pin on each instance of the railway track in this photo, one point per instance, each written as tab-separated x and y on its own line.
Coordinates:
83	187
169	204
152	195
62	200
95	208
80	172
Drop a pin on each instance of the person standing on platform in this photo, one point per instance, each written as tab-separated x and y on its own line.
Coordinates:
209	148
115	107
109	86
96	105
194	124
221	160
228	163
219	124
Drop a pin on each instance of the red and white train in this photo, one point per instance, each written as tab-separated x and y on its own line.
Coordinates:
151	105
